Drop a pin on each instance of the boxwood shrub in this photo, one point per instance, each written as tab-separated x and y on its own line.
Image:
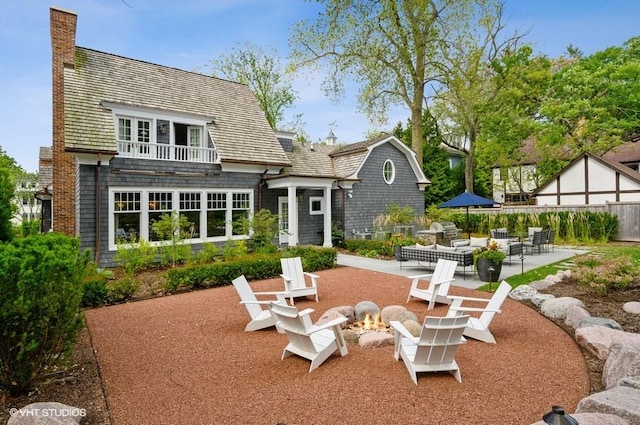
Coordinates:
253	267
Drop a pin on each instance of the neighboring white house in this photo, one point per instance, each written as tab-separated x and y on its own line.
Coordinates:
28	206
517	184
590	180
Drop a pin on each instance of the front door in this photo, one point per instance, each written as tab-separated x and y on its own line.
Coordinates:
283	219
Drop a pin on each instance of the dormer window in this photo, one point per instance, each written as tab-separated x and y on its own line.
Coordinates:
148	134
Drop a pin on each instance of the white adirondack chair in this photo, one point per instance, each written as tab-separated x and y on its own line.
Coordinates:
260	318
315	343
295	284
435	349
478	327
439	282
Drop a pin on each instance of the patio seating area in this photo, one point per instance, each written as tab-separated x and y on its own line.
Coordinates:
186	358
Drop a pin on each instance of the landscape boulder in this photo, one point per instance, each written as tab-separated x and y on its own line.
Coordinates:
375	339
597	339
329	315
392	312
366	307
594	419
600	321
523	292
575	316
632	307
623	360
619	401
538	299
557	308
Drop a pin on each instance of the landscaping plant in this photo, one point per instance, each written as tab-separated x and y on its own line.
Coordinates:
40	314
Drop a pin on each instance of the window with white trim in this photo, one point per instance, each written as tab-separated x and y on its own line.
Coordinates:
213	215
239	211
316	205
190	208
389	171
216	214
160	203
126	220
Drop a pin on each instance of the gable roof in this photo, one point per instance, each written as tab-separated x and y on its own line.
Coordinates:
624	153
621	168
237	126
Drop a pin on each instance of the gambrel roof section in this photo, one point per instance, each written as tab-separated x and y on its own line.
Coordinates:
348	160
236	125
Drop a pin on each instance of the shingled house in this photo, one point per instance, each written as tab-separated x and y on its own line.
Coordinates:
134	140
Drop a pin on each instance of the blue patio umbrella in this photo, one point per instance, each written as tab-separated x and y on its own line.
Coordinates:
466	200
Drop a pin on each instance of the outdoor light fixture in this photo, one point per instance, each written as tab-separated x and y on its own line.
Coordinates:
350	194
164	127
522	263
490	269
558	417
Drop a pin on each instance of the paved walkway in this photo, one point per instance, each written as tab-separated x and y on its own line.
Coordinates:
470	280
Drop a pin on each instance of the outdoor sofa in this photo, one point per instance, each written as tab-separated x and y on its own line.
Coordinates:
430	254
508	246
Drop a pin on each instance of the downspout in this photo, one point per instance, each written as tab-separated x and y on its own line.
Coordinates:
262	183
344	204
98	205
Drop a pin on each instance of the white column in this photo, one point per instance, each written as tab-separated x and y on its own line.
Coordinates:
293	216
327	218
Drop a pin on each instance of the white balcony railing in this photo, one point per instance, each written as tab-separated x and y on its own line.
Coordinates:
142	150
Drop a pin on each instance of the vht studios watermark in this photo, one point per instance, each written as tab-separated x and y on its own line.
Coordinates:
49	412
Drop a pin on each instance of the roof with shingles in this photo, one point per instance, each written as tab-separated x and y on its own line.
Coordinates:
624	153
45	167
239	130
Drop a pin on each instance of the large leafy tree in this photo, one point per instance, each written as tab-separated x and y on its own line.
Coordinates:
592	103
391	48
262	71
469	81
445	181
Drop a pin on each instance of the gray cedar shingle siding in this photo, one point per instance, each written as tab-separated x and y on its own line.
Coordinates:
239	130
373	195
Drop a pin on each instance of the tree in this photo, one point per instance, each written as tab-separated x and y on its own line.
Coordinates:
469	82
6	205
390	47
261	70
444	181
592	103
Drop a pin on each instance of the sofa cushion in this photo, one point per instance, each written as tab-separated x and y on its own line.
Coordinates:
502	243
457	244
478	242
418	246
445	248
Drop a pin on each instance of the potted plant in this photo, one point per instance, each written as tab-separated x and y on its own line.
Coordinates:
486	257
397	241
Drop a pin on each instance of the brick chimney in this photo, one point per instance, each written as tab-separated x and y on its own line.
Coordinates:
63	45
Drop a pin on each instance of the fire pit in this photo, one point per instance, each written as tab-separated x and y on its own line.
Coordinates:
367	323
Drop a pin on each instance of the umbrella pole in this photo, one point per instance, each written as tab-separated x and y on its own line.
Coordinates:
468	230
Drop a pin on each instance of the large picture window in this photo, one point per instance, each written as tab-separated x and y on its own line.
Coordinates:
213	215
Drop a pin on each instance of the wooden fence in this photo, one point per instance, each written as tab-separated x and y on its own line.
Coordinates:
628	214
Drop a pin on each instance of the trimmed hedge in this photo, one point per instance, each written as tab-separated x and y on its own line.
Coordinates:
253	267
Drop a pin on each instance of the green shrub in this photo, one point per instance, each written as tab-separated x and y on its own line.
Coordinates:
233	250
40	314
207	254
605	273
175	254
94	291
123	289
135	257
381	247
254	266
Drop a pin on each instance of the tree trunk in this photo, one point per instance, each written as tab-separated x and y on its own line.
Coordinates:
468	168
416	131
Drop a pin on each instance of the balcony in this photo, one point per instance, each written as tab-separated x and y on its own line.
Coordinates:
140	150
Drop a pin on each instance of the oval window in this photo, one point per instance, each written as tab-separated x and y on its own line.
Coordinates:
389	171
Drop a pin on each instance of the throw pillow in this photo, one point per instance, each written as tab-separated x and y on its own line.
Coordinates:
502	243
460	243
418	246
478	242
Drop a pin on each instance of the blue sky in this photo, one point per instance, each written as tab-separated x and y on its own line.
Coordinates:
187	34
